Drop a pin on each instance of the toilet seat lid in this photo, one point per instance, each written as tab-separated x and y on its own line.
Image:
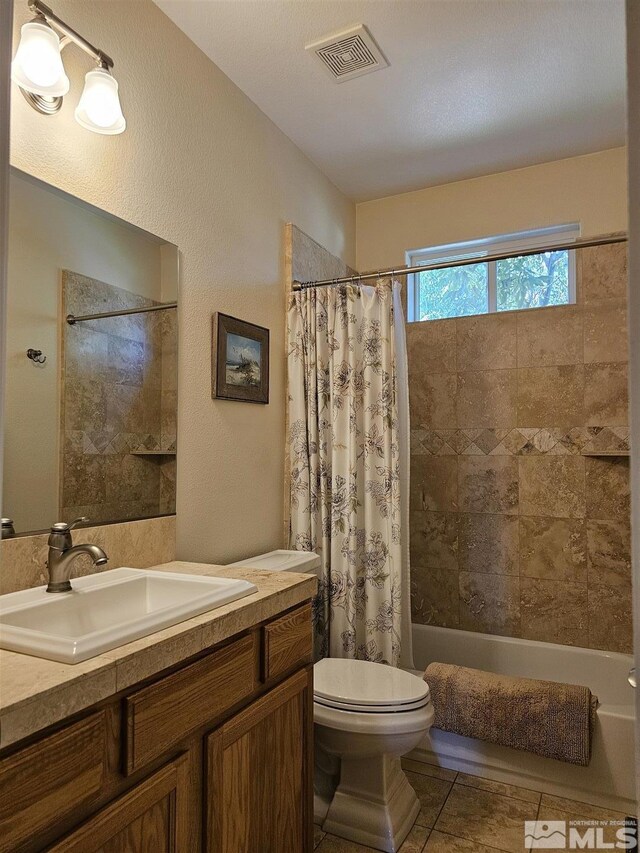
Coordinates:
367	686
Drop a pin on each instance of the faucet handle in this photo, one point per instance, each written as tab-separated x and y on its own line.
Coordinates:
78	521
7	530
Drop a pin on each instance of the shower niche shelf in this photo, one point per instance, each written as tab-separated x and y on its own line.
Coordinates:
153	453
605	453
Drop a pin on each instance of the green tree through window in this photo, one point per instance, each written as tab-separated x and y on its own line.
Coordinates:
529	281
455	292
534	281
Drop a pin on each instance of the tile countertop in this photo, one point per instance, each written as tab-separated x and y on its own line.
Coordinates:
36	693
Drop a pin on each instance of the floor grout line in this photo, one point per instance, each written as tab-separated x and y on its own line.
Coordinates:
538	810
473	841
446	799
467	838
501	793
424	846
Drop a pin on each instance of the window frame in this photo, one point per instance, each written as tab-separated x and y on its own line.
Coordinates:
501	244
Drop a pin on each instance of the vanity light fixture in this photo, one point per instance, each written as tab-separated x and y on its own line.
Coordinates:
38	70
99	107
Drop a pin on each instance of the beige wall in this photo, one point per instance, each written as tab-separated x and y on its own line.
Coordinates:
591	190
202	167
48	233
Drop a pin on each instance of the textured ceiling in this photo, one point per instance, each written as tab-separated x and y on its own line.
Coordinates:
473	87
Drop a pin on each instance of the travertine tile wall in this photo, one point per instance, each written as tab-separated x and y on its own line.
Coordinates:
118	399
136	544
515	530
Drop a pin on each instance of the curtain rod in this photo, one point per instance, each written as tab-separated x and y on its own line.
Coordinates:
558	247
72	319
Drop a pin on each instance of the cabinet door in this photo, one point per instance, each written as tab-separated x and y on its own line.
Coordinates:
259	794
150	818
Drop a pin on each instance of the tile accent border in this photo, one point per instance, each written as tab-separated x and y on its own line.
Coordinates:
521	441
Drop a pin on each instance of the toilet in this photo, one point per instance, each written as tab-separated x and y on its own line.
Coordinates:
366	716
305	562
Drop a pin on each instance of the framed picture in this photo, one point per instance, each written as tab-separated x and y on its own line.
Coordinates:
239	360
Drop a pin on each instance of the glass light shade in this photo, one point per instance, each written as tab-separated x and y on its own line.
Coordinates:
99	107
37	66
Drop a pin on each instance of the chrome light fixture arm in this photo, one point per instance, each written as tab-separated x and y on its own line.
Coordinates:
43	11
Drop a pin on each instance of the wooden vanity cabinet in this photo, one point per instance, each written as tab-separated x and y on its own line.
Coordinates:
51	778
215	755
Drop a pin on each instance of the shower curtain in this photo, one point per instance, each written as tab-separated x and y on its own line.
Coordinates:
348	456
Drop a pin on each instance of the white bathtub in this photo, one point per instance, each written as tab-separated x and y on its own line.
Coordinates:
609	780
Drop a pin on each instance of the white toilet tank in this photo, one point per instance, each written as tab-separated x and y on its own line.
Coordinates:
305	562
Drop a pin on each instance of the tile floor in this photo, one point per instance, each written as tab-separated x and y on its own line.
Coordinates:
469	814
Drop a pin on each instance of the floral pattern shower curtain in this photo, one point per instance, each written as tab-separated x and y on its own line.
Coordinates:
345	466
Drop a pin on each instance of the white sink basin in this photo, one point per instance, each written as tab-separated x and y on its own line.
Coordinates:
107	610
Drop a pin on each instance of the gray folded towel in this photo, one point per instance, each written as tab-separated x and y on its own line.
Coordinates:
546	717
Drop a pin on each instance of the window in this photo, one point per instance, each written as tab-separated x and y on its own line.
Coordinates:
532	281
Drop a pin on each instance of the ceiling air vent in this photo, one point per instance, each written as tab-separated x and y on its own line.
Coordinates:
350	53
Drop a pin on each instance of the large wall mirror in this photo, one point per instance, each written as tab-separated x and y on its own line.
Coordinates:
90	405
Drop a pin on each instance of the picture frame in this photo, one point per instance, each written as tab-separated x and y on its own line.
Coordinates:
239	360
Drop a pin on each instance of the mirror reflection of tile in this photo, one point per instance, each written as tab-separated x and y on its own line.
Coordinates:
118	391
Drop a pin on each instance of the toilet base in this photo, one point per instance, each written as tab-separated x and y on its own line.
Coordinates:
326	777
374	804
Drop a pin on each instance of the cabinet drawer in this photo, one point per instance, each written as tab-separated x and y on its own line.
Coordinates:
163	714
287	643
45	782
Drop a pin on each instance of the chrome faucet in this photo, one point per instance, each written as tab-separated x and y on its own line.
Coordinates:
62	553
